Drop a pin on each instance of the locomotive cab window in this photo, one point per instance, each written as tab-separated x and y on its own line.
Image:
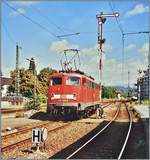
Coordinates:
73	81
55	81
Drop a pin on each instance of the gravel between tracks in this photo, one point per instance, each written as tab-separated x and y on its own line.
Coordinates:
56	141
62	138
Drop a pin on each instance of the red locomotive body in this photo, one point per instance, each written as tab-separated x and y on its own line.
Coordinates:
72	93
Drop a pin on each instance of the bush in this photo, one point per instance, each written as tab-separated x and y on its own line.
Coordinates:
33	104
42	98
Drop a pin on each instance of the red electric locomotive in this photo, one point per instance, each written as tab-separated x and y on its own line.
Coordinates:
72	93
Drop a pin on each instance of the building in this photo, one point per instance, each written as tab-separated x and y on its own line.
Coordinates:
143	85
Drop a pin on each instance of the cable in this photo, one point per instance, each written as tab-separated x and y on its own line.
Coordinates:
9	36
122	32
47	19
146	32
36	23
119	25
66	35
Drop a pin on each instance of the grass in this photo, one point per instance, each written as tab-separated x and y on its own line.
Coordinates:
146	102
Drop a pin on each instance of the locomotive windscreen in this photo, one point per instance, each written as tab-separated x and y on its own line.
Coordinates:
55	81
73	81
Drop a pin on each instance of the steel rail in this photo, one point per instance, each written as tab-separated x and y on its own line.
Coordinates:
128	133
27	140
6	111
23	131
118	109
40	125
106	105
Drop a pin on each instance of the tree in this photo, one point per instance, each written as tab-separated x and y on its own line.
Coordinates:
45	73
28	80
43	78
108	92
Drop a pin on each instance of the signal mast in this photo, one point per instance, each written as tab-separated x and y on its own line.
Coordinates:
101	20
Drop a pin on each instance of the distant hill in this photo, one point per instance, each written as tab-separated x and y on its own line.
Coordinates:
124	90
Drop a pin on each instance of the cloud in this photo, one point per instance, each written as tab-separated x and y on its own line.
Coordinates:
144	49
59	46
112	68
15	13
130	47
138	9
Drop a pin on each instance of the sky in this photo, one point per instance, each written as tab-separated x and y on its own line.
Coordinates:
58	18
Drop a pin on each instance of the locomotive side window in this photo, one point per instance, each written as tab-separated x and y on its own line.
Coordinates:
84	82
55	81
73	81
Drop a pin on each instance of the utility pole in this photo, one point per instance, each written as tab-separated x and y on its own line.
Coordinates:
139	85
101	20
17	87
123	44
128	84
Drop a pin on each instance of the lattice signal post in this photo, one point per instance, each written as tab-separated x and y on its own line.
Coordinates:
17	87
101	20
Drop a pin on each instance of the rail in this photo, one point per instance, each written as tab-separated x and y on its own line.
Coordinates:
23	131
28	140
117	112
128	133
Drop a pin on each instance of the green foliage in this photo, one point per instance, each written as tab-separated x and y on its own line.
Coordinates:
108	92
28	80
42	98
33	104
145	102
45	73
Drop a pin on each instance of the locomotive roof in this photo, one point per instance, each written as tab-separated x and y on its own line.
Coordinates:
77	73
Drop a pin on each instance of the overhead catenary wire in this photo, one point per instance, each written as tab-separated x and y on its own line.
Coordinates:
66	35
117	18
8	34
47	19
122	33
33	21
141	32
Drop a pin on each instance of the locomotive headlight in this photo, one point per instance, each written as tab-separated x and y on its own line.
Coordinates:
52	95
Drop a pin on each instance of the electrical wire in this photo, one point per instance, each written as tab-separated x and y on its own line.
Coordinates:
34	22
143	32
47	19
117	18
66	35
122	33
7	32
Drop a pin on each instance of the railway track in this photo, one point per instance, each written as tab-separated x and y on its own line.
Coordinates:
27	141
7	111
128	133
88	148
23	130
